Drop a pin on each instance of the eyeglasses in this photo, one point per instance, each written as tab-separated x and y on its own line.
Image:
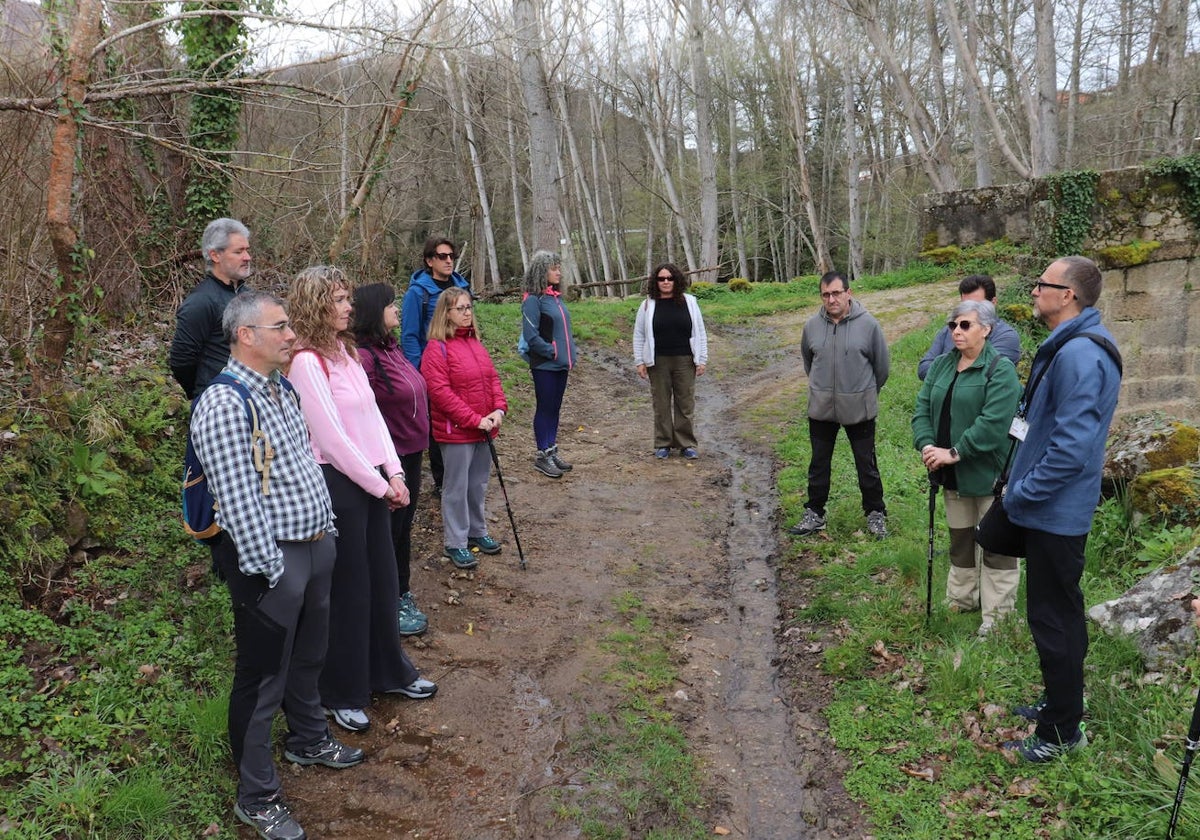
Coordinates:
665	279
964	325
441	256
831	295
284	325
1042	284
461	308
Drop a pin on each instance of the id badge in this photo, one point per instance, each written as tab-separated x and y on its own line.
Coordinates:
1019	428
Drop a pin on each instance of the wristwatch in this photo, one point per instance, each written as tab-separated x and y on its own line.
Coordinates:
954	453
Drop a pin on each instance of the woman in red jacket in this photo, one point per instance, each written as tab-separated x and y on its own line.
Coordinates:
467	407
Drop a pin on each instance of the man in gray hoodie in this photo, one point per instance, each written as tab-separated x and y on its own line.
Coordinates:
846	359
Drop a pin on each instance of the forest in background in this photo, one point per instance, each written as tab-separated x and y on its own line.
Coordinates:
763	140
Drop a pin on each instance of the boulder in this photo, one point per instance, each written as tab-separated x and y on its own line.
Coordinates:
1170	495
1144	442
1157	613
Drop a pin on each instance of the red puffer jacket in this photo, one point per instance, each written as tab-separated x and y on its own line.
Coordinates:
463	387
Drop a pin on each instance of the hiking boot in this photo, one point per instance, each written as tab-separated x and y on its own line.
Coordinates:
662	453
272	819
1038	750
1031	711
690	453
809	524
558	462
327	752
410	621
877	524
544	463
352	720
462	558
418	689
485	544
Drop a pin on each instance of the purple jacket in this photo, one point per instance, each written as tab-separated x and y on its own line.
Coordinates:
401	394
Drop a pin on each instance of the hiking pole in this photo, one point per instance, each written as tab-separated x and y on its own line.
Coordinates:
933	489
500	476
1193	741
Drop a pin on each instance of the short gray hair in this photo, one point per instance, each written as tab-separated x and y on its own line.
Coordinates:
216	237
245	309
984	310
540	263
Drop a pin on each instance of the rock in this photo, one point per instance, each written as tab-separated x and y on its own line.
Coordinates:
1171	495
1157	613
1145	442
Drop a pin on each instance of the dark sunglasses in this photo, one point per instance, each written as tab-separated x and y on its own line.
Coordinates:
964	325
665	279
441	256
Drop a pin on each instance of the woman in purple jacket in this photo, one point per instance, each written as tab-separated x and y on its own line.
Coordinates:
402	398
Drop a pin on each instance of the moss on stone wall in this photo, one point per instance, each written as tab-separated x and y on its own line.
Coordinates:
1124	256
1171	495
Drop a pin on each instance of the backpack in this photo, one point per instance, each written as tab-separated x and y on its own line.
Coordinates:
199	507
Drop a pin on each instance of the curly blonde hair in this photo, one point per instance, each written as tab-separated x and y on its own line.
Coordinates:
441	327
310	307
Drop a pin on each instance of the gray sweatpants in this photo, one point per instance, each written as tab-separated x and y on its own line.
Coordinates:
464	489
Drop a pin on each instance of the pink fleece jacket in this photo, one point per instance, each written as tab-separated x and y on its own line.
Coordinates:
344	423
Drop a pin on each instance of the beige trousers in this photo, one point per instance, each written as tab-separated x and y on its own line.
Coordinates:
990	585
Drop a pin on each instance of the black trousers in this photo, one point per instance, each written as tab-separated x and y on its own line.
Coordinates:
402	519
364	648
822	435
1054	607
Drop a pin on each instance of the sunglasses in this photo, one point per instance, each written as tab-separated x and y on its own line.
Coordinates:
964	325
665	279
440	256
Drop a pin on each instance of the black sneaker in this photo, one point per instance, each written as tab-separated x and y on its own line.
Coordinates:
809	524
1031	711
272	819
327	752
1037	750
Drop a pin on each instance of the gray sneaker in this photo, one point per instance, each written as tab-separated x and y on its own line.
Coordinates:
327	752
809	524
272	820
877	524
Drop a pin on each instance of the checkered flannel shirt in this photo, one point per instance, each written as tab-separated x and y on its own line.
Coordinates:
296	506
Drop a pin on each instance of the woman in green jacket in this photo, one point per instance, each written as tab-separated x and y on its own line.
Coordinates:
960	427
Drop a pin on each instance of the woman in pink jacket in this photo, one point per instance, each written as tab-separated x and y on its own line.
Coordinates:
467	407
351	443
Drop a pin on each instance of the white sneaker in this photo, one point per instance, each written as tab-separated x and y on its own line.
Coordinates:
353	720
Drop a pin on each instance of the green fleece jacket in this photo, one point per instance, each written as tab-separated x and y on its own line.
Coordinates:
980	414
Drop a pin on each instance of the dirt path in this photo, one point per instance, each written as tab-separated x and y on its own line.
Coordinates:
517	654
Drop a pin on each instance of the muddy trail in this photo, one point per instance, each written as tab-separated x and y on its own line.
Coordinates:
518	655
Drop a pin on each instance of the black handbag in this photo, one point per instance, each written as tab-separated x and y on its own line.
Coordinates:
996	532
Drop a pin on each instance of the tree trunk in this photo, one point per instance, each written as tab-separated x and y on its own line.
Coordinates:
58	326
543	128
1045	144
705	156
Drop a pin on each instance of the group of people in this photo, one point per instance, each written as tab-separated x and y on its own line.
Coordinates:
315	499
977	430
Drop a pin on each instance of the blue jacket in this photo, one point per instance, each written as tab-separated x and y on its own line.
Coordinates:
546	328
1054	483
416	311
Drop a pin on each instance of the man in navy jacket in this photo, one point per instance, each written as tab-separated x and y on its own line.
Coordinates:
1054	487
1003	337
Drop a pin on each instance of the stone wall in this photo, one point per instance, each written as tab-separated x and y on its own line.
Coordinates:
1151	298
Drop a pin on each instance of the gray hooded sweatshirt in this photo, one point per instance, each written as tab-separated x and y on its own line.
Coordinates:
846	363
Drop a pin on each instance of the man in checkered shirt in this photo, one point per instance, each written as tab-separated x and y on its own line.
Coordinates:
276	554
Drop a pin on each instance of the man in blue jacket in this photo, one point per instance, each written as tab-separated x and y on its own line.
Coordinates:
1003	337
416	311
1054	487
